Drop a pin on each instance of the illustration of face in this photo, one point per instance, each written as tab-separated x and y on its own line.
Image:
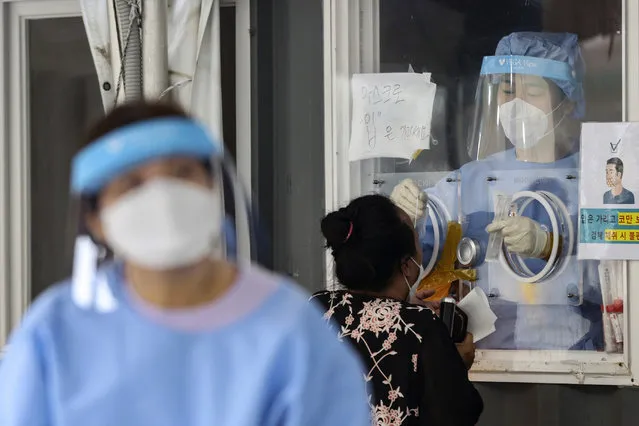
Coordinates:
612	176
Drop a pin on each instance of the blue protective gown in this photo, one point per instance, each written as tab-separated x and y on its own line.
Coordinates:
277	364
519	326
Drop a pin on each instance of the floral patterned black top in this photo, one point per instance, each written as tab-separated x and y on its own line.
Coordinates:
415	373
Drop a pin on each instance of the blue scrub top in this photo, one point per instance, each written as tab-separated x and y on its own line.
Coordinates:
275	364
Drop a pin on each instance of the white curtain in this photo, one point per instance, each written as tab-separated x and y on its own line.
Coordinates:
193	54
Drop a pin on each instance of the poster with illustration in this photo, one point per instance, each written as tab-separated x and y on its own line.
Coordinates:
609	187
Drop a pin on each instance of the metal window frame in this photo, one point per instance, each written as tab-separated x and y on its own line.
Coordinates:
351	44
15	199
15	203
243	143
243	147
243	90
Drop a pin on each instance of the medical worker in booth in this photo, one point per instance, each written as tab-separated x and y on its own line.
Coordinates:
170	333
525	137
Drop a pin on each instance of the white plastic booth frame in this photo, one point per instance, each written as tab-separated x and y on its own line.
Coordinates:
15	203
351	45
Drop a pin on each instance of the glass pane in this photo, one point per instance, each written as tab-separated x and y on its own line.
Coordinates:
64	97
449	39
513	88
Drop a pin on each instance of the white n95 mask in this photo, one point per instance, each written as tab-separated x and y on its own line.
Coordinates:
165	224
524	124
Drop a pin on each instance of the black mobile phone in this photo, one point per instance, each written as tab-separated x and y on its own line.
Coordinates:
455	320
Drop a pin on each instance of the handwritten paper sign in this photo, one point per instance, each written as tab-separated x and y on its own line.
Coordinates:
392	115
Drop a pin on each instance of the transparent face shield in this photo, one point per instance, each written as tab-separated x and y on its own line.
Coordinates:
158	195
520	107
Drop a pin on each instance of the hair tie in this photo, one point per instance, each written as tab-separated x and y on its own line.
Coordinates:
350	231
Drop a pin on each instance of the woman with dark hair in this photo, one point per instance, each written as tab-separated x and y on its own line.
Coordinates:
415	372
170	332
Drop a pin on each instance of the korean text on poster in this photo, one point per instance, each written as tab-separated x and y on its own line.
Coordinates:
608	210
392	115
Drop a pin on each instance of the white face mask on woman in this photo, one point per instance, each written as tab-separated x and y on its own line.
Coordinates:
412	289
524	124
165	224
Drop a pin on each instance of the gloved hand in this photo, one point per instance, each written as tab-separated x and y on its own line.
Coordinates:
412	200
522	235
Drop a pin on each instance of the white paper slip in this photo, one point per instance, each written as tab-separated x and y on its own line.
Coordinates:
481	319
391	115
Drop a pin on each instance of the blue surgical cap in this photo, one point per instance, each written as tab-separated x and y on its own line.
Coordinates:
561	47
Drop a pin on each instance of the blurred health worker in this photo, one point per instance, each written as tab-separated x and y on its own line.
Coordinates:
525	143
170	333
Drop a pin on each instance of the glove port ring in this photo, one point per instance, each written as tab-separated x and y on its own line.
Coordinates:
561	225
439	219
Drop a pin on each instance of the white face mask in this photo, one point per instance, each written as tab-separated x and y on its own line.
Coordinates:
524	124
165	224
412	289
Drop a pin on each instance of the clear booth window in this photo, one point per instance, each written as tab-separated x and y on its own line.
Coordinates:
508	84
